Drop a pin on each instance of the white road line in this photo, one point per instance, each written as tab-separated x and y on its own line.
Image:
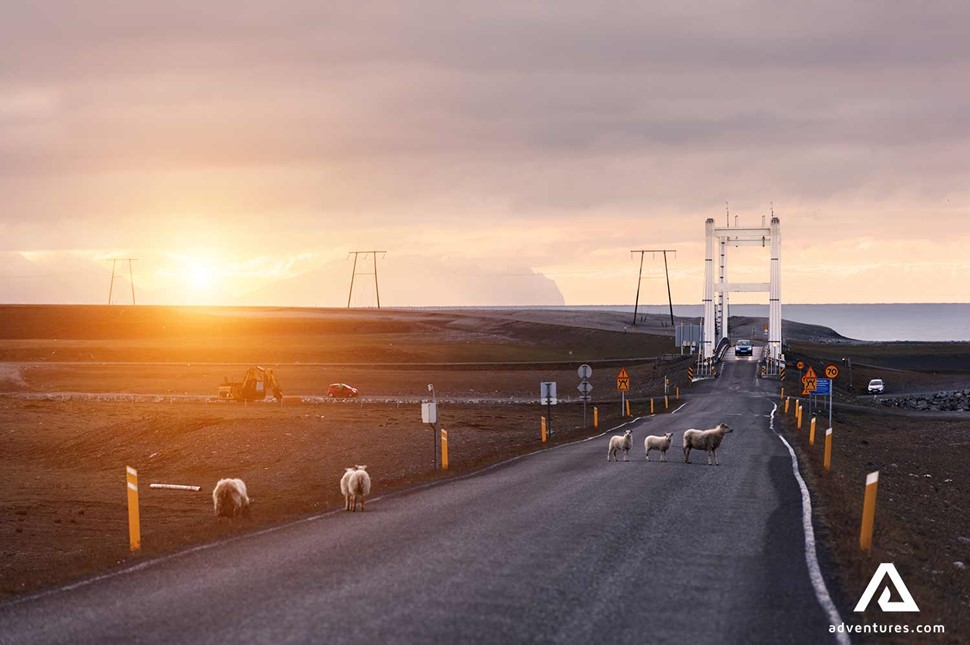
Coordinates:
811	556
680	408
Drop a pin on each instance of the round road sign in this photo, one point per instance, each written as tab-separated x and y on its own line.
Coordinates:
585	371
831	371
800	365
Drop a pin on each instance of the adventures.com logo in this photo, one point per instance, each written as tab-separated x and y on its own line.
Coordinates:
887	573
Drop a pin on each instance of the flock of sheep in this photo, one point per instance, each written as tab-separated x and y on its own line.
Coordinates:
706	440
230	499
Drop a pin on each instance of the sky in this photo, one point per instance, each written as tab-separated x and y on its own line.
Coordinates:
500	153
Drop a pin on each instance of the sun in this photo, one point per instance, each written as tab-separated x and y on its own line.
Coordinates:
200	274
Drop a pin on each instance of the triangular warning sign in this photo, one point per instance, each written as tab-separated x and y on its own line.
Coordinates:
622	374
809	373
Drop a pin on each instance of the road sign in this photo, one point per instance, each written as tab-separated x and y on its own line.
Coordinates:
623	380
823	386
831	371
585	371
585	398
809	381
800	365
547	392
584	387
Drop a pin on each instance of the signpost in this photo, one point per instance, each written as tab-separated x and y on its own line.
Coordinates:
623	386
809	381
547	396
584	387
429	415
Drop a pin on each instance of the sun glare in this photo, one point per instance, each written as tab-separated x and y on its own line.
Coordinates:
201	275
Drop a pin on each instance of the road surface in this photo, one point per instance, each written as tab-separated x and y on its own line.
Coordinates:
556	547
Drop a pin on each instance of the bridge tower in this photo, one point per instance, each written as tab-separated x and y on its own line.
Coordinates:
716	298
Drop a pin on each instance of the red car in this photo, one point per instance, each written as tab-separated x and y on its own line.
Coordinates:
341	391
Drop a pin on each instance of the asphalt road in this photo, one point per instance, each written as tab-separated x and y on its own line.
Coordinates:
558	547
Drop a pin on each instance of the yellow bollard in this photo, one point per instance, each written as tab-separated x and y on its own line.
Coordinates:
828	449
677	390
543	426
781	397
787	401
651	406
666	402
811	432
596	417
444	449
869	512
798	416
134	522
628	407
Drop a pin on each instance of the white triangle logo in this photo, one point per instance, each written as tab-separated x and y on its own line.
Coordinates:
906	604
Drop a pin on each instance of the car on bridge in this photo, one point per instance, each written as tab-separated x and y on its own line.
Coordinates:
876	386
743	348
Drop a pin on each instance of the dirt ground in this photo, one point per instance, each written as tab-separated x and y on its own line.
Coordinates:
78	403
922	515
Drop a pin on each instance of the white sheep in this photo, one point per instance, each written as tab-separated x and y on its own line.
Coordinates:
229	498
358	485
707	440
345	486
653	442
617	443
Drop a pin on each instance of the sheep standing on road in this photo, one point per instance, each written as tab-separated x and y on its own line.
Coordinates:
653	442
358	486
706	440
617	443
229	498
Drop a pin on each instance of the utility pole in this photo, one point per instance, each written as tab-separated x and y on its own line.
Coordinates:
355	273
640	278
131	277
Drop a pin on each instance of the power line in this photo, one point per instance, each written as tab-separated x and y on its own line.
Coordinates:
355	273
131	277
670	300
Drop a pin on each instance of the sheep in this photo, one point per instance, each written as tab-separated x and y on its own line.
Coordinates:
617	443
707	440
653	442
358	485
229	498
345	486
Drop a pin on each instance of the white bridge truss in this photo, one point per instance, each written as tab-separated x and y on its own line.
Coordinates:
717	300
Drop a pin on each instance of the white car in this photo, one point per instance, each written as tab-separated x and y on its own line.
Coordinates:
876	386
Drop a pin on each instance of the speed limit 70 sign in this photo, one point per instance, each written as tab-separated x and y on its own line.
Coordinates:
831	371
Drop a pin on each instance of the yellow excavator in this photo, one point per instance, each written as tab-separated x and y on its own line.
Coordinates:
256	384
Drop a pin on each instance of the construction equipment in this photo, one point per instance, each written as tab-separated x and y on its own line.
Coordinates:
256	384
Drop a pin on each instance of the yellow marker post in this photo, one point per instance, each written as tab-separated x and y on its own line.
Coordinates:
869	512
542	432
781	397
811	432
828	449
134	522
444	449
677	390
798	416
787	402
651	406
628	407
666	402
596	417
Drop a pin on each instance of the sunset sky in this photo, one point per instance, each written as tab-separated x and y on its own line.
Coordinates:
501	153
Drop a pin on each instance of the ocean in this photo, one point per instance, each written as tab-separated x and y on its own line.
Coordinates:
883	322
